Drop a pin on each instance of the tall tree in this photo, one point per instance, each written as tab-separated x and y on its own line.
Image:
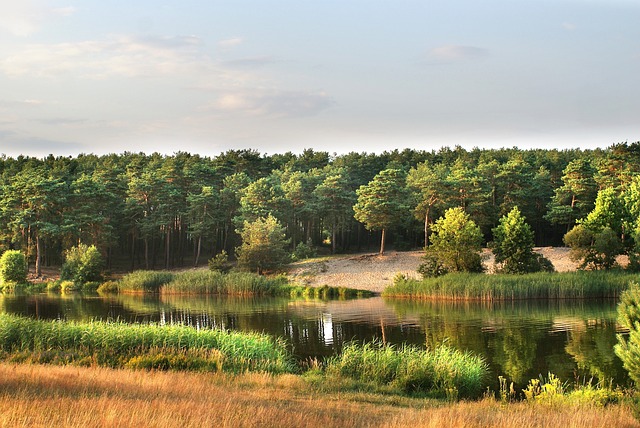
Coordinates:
382	203
335	201
575	198
429	185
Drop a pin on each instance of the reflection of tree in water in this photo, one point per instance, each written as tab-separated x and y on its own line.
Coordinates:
591	349
516	350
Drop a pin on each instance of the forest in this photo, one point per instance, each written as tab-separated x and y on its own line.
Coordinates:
159	211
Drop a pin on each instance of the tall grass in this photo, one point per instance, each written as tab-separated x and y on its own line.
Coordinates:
543	285
233	283
119	345
442	371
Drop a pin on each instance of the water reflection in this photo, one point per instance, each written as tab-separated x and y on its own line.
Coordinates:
520	340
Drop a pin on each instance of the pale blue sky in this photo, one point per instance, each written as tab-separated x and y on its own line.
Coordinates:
208	76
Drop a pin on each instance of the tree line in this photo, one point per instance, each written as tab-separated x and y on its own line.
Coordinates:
151	211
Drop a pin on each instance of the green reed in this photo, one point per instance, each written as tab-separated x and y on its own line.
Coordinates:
441	372
543	285
119	345
144	281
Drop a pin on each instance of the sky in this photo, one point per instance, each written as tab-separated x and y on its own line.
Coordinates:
338	76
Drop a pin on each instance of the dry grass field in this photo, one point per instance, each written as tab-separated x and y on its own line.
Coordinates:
46	396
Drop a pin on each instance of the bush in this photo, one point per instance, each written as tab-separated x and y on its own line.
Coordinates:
220	262
628	347
13	267
304	251
82	264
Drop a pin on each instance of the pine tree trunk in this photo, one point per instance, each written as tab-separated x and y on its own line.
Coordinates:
38	256
382	242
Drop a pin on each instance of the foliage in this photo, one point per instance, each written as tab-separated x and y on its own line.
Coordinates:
116	344
513	246
456	245
219	262
145	281
593	250
382	203
540	285
263	245
82	264
443	371
304	251
628	347
13	267
553	391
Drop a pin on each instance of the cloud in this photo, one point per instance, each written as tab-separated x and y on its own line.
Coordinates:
458	53
273	103
25	17
251	62
569	26
115	56
230	43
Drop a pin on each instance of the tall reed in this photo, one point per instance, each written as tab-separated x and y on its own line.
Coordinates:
442	371
116	344
543	285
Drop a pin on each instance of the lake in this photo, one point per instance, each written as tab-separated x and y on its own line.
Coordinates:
519	340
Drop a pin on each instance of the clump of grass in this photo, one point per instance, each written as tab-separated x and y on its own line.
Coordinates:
116	344
142	281
541	285
215	282
443	371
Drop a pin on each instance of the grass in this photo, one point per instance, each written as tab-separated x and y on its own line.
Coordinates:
120	345
202	281
99	397
565	285
442	371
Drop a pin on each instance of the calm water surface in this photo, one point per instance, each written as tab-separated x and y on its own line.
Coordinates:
572	339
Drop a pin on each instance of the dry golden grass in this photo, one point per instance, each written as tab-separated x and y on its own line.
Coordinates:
39	396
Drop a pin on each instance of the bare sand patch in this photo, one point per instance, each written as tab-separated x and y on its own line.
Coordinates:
375	272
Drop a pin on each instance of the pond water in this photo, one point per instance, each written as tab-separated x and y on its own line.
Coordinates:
519	340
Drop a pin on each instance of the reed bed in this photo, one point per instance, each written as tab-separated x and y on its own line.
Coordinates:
140	345
441	372
543	285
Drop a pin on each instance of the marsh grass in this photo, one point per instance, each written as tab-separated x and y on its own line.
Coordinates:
543	285
142	281
442	371
117	345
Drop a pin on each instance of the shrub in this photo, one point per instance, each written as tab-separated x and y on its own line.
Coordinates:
304	251
13	267
82	264
220	262
628	347
263	245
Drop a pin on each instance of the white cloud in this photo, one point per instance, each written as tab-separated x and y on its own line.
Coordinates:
115	56
456	52
273	103
230	43
25	17
569	26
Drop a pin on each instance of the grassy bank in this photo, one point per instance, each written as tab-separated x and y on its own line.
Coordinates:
99	397
565	285
233	283
139	346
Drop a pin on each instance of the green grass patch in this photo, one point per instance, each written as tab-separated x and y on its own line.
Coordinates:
542	285
139	345
440	372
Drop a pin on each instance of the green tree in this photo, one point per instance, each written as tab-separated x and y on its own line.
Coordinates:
335	201
13	267
455	245
203	216
574	199
382	203
628	347
428	183
593	249
513	245
263	245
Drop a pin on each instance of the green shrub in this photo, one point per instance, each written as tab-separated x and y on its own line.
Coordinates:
145	281
108	287
304	251
69	286
220	262
628	347
82	264
13	267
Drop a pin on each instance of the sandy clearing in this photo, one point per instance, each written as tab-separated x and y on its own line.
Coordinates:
374	272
